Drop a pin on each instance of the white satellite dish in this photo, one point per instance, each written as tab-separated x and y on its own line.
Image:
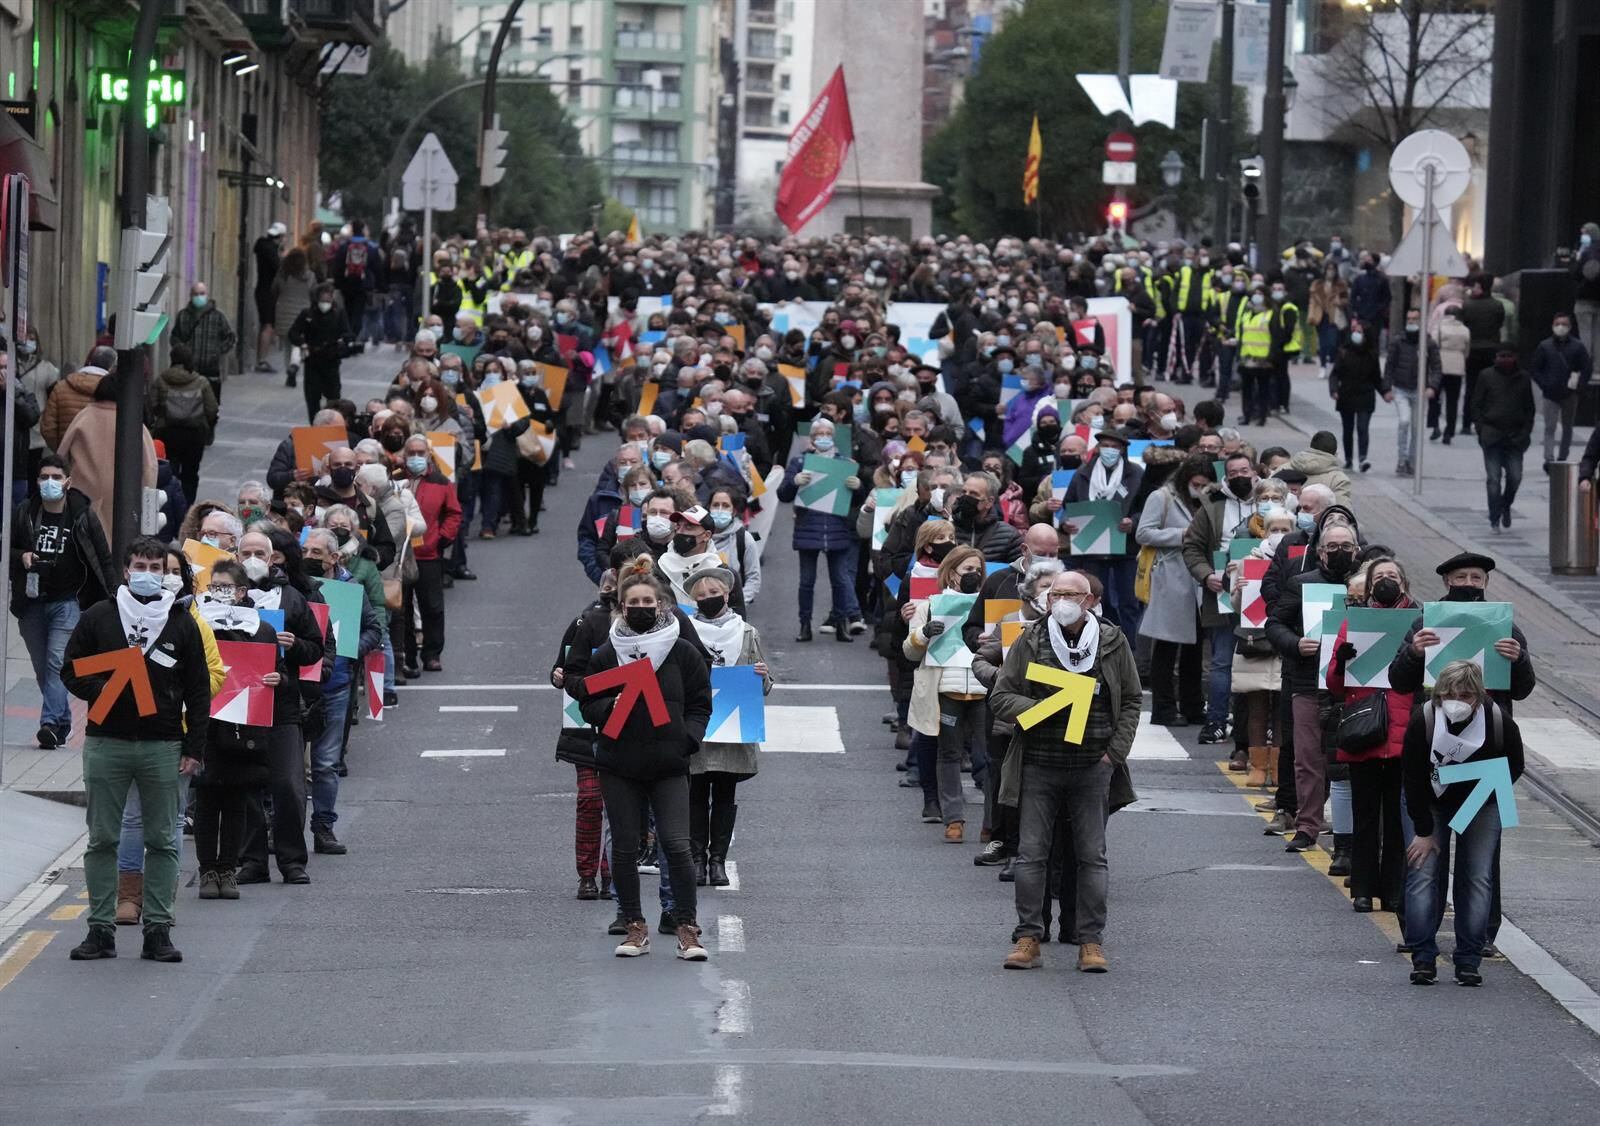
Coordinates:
1430	149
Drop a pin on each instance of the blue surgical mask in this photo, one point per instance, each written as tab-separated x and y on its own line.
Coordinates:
144	584
638	496
1087	363
199	300
908	478
1006	366
1035	360
1109	456
1356	338
52	489
823	443
1002	341
417	464
1305	521
209	541
450	377
720	519
660	458
492	378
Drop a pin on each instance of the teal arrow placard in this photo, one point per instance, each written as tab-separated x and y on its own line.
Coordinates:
1493	776
1467	632
1377	636
828	492
1094	527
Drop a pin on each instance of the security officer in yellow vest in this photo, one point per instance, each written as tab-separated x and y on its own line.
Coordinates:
1285	343
513	257
1186	296
1231	297
1256	371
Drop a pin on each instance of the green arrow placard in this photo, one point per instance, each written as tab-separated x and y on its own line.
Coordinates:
1094	527
1467	632
1377	636
827	493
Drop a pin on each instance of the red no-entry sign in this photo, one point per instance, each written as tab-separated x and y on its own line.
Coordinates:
1121	147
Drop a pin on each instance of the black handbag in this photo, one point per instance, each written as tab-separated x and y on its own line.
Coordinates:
1364	724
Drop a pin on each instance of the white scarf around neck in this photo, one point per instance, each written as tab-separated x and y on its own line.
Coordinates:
723	638
1077	658
230	616
1450	748
269	599
1102	486
653	646
142	622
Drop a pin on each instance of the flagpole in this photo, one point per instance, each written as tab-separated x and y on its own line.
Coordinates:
861	204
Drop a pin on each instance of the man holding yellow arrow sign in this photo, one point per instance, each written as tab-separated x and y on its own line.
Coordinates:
1071	685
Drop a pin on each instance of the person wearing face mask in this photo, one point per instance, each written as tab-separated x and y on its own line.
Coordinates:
1454	341
1254	331
340	488
690	551
1503	411
1036	387
323	334
1460	723
124	749
60	565
1046	506
819	532
439	507
38	376
740	554
203	328
1171	618
1563	368
1354	384
1336	561
600	510
645	768
1112	477
183	415
1044	774
357	557
947	700
720	766
503	477
1256	673
1040	459
1377	845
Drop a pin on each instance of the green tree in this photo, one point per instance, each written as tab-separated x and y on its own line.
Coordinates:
549	183
1027	68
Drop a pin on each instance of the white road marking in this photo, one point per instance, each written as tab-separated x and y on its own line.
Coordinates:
1561	743
733	877
467	752
802	731
730	934
727	1087
1548	974
1151	742
477	707
733	1015
42	892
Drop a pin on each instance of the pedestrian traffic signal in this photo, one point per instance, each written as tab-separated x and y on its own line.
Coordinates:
492	165
142	276
1117	215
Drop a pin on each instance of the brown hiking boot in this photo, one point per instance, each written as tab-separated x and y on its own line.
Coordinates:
1258	767
689	948
953	832
130	898
1024	955
638	940
1092	959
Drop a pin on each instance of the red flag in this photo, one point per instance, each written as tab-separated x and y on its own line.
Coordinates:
817	149
242	697
374	666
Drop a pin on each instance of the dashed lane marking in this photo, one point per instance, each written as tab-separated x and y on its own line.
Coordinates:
1152	742
730	934
802	731
467	752
477	707
67	912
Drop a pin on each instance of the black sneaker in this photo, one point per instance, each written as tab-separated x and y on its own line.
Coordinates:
803	635
466	575
1300	843
619	925
323	841
1465	976
252	874
668	924
1424	973
101	943
391	699
993	853
1215	733
48	737
1008	873
295	874
931	814
158	946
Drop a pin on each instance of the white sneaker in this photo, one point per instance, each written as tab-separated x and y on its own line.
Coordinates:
638	940
825	627
689	948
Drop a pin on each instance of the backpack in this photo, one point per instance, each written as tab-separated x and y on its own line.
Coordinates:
186	406
355	259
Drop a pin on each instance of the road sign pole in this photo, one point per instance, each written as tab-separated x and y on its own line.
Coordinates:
427	241
1423	338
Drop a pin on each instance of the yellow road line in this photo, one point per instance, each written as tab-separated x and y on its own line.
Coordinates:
69	912
22	952
84	894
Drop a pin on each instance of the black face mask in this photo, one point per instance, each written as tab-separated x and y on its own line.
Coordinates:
685	545
1336	564
711	607
1240	486
393	442
964	512
1070	461
939	550
1463	594
342	477
608	598
1386	592
970	582
640	619
1048	436
341	536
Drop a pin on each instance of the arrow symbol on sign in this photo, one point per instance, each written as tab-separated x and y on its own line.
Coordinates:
1076	692
635	679
1493	777
122	668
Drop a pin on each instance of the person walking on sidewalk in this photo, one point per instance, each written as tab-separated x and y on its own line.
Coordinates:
183	416
1408	374
1354	384
126	749
204	328
1455	361
1044	773
1504	411
60	565
1562	367
1485	320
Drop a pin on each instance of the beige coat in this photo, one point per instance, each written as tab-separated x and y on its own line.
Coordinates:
88	446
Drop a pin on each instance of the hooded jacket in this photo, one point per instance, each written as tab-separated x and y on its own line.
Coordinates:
67	398
88	539
1323	469
1503	408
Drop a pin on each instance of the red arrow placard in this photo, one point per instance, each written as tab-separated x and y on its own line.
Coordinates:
122	668
635	679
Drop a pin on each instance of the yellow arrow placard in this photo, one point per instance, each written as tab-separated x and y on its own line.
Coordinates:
1076	692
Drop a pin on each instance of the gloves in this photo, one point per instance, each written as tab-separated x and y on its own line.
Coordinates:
933	629
1346	652
803	479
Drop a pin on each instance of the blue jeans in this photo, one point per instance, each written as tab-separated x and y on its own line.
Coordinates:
841	581
45	627
1344	815
1503	467
1119	606
388	663
1474	888
325	750
1219	674
1327	342
130	848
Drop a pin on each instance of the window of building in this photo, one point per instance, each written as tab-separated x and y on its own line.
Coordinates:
574	82
762	44
575	36
784	82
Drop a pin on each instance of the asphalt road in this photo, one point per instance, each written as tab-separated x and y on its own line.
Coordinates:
443	971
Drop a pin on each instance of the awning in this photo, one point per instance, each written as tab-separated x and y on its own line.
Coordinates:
21	153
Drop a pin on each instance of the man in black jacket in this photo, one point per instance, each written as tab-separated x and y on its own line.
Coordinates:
323	331
149	729
60	564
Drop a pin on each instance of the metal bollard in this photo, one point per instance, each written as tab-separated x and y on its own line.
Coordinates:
1574	543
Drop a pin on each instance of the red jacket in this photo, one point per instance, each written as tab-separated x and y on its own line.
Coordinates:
436	497
1399	703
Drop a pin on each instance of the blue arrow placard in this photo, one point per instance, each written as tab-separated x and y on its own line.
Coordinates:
1493	776
738	706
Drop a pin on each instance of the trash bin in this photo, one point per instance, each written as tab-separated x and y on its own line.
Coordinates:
1574	544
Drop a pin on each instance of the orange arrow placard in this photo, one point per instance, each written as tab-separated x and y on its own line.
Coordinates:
635	679
201	557
647	398
125	668
555	383
1076	692
313	444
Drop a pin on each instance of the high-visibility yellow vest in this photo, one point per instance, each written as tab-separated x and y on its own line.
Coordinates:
511	263
1291	344
1255	334
469	304
1184	283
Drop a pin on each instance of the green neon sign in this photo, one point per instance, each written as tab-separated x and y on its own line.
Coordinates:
165	88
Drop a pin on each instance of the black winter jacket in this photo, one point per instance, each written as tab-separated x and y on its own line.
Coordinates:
643	751
88	540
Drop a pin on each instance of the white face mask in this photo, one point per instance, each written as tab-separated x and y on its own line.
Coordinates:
1169	421
1066	613
1457	711
256	567
936	498
172	583
429	404
658	528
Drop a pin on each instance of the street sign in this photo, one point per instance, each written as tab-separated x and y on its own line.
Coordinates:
1445	259
1119	172
1121	147
429	180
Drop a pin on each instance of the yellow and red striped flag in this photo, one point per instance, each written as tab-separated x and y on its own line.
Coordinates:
1030	171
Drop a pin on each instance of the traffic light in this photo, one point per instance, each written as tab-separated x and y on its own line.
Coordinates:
1117	215
142	275
493	161
1250	169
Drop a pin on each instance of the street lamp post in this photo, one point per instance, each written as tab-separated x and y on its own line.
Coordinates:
1274	107
1172	169
489	77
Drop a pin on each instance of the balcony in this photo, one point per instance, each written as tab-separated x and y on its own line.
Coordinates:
279	23
763	13
639	39
640	98
758	85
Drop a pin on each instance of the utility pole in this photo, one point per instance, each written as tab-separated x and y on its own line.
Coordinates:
1222	170
488	103
1273	110
1124	71
128	485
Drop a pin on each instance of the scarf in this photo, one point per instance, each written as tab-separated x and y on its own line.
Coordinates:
1079	659
1448	748
724	638
921	570
677	567
1102	486
269	599
142	622
653	645
230	616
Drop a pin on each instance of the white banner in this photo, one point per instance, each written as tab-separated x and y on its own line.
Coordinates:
1186	51
1250	24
